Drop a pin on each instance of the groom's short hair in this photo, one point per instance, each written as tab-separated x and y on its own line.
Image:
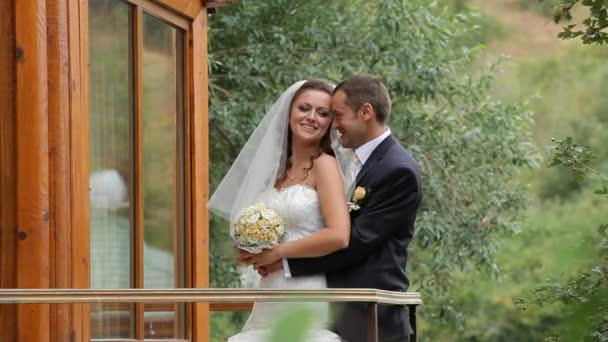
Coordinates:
360	89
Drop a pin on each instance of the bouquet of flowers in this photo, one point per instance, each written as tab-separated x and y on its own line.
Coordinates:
256	228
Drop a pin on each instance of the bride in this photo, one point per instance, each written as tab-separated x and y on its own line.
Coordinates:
289	165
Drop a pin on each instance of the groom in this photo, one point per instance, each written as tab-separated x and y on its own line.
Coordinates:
387	195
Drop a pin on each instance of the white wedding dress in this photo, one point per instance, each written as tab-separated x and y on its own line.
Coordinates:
298	206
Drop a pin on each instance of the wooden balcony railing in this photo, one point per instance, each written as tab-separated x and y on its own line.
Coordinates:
212	296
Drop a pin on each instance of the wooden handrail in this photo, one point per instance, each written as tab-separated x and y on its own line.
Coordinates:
209	295
214	295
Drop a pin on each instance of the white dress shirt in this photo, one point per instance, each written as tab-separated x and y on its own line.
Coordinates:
363	152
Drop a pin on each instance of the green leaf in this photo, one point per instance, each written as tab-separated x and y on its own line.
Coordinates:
555	162
603	191
579	175
293	326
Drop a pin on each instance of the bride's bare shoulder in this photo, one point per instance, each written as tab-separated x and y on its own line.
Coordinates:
326	160
325	164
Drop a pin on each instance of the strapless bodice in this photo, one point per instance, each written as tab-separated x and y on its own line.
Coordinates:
298	206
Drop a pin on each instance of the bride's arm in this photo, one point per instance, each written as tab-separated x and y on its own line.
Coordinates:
335	235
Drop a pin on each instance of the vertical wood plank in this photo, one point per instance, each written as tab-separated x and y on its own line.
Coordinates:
138	45
59	162
7	167
413	322
188	264
78	34
200	169
179	234
32	165
83	236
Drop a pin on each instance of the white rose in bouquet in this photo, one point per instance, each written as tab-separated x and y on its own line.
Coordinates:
256	228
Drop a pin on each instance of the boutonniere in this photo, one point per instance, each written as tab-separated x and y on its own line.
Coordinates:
358	196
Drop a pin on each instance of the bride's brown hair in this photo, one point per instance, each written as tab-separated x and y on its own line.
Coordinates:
325	146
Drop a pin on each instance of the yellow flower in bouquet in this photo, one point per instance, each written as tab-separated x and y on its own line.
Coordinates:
256	228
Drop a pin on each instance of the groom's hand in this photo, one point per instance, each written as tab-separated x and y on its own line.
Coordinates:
270	268
245	257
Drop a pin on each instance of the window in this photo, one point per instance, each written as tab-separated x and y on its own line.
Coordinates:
138	164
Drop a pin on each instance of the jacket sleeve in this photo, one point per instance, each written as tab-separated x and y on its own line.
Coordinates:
390	205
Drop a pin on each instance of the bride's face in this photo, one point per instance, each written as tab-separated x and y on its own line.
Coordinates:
310	116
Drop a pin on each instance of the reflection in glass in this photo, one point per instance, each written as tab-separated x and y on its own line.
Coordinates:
110	163
163	161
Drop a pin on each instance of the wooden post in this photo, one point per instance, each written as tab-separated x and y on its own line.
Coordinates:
33	214
79	159
59	164
199	99
372	322
413	323
7	167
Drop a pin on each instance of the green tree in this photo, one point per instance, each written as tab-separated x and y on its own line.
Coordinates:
584	296
469	145
594	26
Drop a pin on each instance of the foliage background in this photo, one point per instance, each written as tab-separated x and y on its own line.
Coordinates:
561	84
471	146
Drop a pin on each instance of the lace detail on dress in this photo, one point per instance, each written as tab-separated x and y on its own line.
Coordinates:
298	206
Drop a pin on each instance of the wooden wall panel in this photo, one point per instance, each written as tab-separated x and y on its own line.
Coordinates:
79	159
33	214
59	162
199	104
44	136
7	167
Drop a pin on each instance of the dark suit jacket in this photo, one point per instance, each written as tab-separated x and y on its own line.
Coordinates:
377	254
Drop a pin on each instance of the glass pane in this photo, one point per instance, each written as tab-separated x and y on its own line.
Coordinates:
162	74
111	133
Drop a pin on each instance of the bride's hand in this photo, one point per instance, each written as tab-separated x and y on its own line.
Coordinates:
264	271
245	257
266	257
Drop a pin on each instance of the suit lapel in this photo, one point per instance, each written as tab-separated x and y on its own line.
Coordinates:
375	157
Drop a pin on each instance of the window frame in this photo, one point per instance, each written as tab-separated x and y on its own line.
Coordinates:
190	16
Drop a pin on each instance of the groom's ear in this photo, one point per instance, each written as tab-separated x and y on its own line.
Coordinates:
367	112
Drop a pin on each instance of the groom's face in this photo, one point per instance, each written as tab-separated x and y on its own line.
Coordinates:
347	121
